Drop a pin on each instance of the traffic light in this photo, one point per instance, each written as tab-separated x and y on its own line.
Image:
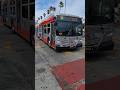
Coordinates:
41	17
50	8
48	11
44	14
54	8
38	18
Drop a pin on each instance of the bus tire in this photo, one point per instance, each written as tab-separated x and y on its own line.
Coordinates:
57	49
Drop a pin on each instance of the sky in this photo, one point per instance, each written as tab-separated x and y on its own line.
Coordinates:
73	7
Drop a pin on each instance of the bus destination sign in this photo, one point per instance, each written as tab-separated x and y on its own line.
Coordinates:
68	18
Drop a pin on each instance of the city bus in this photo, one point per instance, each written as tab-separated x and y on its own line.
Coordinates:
61	31
19	16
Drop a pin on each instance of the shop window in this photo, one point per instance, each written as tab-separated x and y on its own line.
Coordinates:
10	10
0	7
13	10
32	10
6	11
32	0
24	1
13	2
25	11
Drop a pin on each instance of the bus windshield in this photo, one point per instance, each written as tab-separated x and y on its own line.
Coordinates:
68	28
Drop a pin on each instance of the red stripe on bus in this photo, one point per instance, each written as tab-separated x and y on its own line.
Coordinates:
49	20
53	44
24	33
45	39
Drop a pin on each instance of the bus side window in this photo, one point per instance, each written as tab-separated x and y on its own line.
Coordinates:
44	28
45	31
53	30
49	25
48	30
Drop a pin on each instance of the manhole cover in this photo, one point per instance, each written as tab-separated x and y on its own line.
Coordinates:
41	70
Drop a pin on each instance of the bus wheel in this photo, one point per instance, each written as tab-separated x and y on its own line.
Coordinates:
57	49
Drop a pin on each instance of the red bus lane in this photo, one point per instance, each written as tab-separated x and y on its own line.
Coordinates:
71	75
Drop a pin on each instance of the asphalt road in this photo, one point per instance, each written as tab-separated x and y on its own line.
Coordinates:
105	64
46	58
16	62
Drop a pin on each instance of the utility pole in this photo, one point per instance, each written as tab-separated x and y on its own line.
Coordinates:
65	6
61	5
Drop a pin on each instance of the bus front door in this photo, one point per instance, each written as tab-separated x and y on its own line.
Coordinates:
52	36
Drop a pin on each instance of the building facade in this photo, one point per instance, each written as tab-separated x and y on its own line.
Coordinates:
18	15
101	8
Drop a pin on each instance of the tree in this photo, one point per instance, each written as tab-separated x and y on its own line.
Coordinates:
52	9
44	14
48	11
38	18
41	17
61	5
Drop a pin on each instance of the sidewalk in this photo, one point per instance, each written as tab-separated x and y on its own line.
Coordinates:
68	76
16	62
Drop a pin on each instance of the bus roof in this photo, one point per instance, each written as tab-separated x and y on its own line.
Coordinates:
48	19
68	15
51	18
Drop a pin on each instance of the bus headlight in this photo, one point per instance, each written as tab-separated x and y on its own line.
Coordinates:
76	41
58	42
57	38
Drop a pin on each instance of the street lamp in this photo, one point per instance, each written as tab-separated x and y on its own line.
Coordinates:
65	5
44	14
52	9
41	17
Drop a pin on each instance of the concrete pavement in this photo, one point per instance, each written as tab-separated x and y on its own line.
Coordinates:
46	58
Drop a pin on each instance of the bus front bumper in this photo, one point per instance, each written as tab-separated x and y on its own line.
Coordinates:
69	46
